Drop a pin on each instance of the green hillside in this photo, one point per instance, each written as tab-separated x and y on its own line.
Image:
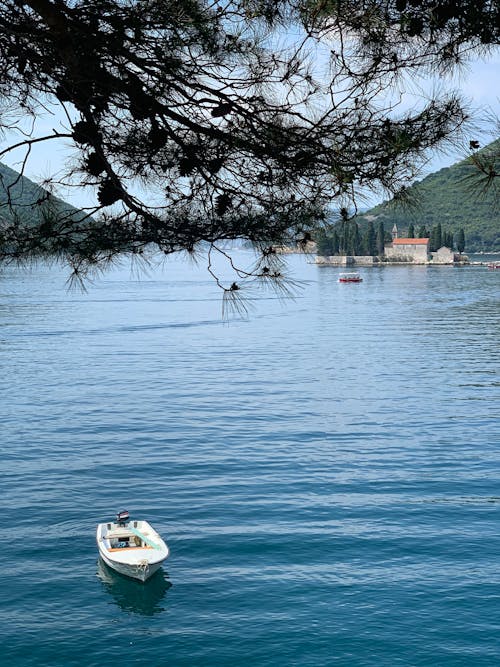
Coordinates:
452	197
21	197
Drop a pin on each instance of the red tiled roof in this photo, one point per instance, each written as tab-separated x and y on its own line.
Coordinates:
410	241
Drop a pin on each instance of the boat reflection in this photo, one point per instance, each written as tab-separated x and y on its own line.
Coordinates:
135	596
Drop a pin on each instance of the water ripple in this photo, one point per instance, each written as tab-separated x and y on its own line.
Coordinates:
325	473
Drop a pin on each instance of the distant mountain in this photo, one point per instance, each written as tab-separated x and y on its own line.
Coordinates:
20	196
453	198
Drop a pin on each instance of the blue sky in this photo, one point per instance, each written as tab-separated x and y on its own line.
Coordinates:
480	83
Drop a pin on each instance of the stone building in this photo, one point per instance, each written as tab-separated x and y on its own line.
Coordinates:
414	251
443	256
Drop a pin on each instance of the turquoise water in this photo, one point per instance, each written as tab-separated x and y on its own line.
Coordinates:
326	472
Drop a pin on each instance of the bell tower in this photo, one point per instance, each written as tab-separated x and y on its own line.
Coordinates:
394	232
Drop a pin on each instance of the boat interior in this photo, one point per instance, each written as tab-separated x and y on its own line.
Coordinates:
126	536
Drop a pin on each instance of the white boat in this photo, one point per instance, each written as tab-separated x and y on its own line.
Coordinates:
132	548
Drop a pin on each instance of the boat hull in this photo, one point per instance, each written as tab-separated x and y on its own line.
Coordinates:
133	571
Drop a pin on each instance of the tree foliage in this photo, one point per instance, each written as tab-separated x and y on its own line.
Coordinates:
436	237
197	121
370	240
380	237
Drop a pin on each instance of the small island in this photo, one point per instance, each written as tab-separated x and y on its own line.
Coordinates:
436	248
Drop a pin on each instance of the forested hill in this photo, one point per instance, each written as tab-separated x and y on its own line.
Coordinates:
26	197
448	197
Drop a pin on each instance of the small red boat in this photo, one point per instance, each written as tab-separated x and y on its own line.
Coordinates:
353	277
494	265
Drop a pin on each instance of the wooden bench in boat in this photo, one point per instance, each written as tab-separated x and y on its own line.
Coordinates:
129	548
127	534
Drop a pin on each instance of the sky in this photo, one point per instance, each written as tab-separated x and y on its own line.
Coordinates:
479	83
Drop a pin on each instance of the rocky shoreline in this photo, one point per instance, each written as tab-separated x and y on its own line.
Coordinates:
353	261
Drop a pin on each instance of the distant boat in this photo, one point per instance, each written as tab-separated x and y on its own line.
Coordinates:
132	548
494	265
353	277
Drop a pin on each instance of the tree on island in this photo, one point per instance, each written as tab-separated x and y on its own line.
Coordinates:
354	239
448	239
461	241
436	237
370	239
197	122
411	231
343	238
380	240
327	243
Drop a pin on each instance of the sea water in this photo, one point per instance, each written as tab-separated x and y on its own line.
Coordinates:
325	470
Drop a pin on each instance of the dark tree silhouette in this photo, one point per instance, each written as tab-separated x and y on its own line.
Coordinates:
197	122
380	238
436	237
370	239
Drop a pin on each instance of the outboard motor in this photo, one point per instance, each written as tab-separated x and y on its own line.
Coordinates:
122	517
